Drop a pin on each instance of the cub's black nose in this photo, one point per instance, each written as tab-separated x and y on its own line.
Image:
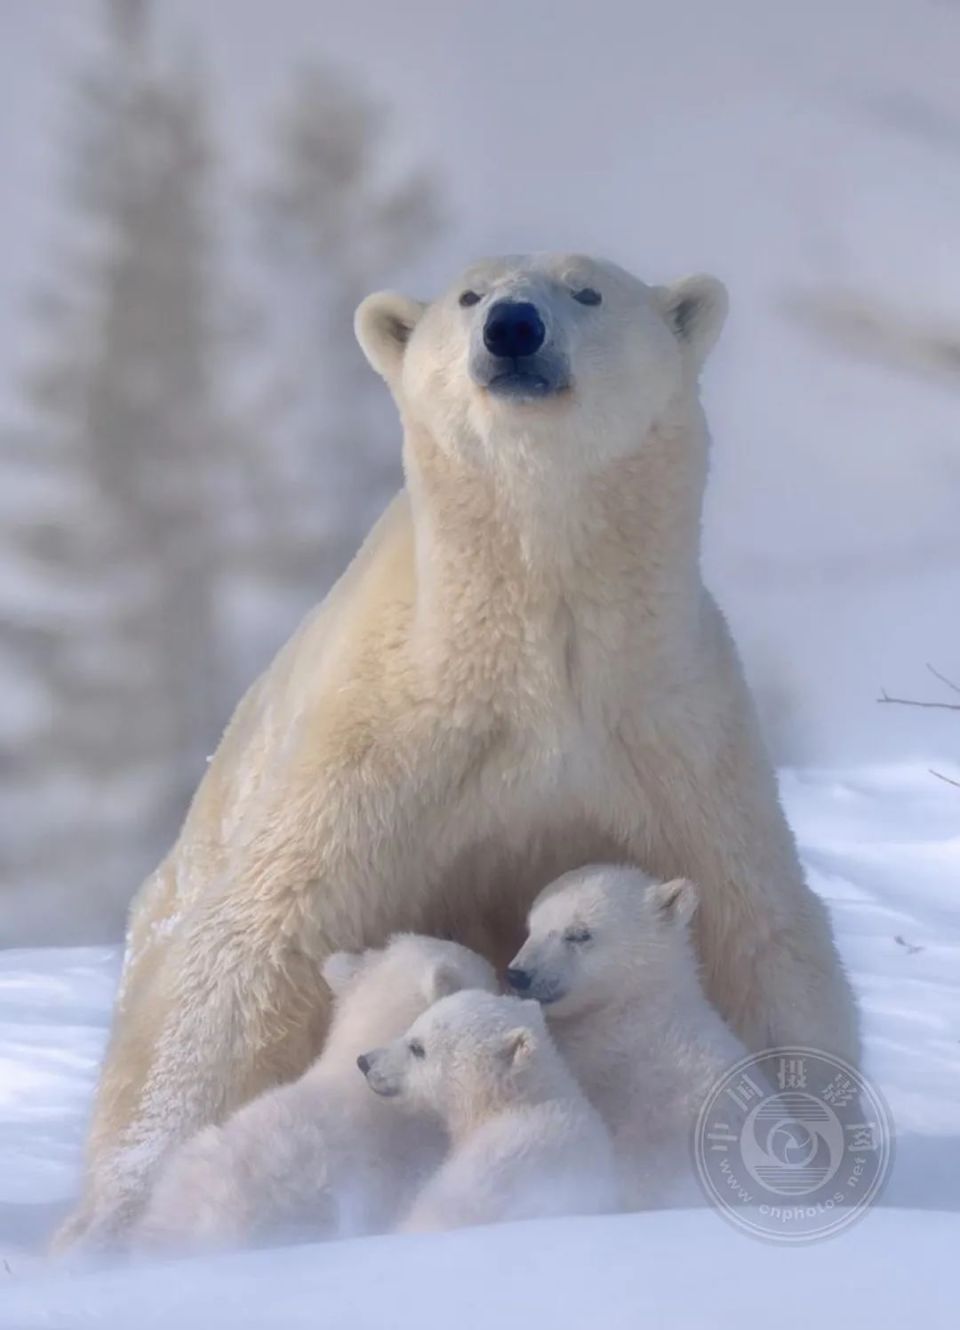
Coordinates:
513	328
519	980
363	1062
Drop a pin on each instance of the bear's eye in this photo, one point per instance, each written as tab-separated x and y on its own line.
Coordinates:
417	1049
577	935
587	296
468	298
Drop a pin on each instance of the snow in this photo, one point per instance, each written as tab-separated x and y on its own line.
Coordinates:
616	1273
881	845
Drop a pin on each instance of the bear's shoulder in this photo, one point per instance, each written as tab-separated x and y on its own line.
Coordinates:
346	636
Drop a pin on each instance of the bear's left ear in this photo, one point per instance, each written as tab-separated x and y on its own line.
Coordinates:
339	968
383	324
516	1046
675	901
695	309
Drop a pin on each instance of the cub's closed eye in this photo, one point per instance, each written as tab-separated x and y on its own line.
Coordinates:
577	935
417	1049
587	296
468	298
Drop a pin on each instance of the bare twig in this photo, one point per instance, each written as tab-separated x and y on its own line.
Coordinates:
939	706
910	947
912	702
943	678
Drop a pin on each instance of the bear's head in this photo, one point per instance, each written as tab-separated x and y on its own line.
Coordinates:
464	1056
600	931
552	356
379	992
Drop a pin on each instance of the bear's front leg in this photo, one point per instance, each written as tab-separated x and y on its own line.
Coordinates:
223	995
769	960
236	1004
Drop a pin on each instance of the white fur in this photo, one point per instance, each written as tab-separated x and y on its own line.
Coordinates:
609	953
520	673
323	1154
525	1143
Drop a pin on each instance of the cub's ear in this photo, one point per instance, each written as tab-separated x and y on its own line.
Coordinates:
516	1046
675	902
340	967
695	309
383	324
440	981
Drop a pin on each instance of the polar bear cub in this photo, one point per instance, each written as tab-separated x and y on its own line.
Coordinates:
321	1155
610	958
525	1143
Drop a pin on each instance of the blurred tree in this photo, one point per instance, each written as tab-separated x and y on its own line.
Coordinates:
872	329
335	221
121	631
166	549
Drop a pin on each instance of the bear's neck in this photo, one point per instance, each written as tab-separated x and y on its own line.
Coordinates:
545	1079
617	554
665	988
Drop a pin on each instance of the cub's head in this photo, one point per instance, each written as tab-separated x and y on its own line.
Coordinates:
380	991
467	1052
599	930
553	351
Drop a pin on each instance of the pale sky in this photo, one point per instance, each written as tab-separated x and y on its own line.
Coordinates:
783	147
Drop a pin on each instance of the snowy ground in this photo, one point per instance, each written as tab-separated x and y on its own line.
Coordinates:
881	845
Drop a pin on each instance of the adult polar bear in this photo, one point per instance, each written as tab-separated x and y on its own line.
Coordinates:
519	674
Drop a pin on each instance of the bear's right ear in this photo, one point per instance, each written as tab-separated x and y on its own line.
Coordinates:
440	981
675	901
383	324
340	967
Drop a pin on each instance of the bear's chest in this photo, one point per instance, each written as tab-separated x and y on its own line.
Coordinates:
552	796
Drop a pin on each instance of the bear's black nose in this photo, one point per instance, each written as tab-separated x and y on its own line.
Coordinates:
519	980
363	1062
513	328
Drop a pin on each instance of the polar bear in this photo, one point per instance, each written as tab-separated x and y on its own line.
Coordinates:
322	1154
520	673
610	958
524	1141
